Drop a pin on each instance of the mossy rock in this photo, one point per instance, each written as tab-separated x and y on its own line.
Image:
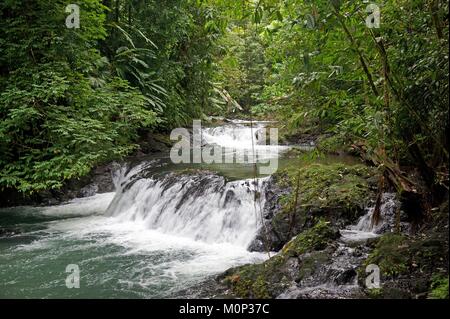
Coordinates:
336	192
390	254
439	288
253	281
408	265
395	254
269	279
330	186
315	238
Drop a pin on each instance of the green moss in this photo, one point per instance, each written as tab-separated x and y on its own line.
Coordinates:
327	187
260	288
439	288
375	293
418	258
390	254
396	254
241	287
266	280
251	281
315	238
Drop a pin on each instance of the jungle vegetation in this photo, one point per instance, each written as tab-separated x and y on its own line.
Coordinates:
71	98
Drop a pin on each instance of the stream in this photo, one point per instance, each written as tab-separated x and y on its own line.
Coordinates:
163	230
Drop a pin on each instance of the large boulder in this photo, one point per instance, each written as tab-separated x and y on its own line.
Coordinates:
295	198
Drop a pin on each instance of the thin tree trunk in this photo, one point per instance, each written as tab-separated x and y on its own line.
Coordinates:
358	51
426	171
117	9
129	13
434	8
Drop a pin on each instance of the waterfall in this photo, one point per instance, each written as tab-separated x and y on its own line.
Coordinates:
234	136
255	141
338	278
364	229
202	206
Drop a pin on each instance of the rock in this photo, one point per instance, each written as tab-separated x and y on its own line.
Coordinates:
396	290
298	260
334	192
346	277
89	190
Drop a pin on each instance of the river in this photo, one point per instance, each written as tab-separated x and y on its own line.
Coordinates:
163	230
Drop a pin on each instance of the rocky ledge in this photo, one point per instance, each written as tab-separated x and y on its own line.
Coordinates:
309	213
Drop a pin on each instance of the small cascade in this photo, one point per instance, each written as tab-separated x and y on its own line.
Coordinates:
234	136
337	277
365	229
202	206
241	138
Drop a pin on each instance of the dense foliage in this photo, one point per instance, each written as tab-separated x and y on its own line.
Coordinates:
327	69
72	98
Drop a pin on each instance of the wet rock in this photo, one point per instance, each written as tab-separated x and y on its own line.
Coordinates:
345	277
5	232
257	245
408	264
334	192
323	292
229	196
396	290
299	260
89	190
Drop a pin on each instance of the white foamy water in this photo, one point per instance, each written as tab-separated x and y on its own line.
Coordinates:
255	141
199	207
137	239
365	229
133	252
154	237
238	136
81	206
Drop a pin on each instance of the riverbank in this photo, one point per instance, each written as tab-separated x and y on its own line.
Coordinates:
315	218
98	181
319	219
